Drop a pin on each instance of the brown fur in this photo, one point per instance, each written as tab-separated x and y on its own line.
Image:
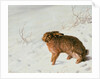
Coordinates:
58	42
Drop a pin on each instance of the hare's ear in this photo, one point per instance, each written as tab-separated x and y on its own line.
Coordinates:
49	36
55	31
61	34
58	34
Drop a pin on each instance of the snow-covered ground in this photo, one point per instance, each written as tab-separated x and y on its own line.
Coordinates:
27	53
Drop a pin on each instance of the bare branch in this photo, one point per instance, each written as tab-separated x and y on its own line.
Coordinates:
22	35
81	17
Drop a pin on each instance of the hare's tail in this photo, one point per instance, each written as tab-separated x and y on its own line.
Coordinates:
87	51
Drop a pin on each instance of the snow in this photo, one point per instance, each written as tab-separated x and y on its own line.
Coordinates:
33	56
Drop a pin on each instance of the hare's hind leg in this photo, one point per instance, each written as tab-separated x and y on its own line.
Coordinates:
69	57
78	61
78	57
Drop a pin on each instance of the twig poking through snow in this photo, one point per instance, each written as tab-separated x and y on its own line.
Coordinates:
22	35
82	17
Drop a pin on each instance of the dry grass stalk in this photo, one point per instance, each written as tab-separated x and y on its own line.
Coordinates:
22	35
81	17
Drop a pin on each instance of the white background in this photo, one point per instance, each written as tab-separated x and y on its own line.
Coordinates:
4	43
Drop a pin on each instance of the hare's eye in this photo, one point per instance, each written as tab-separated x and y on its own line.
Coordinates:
47	35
